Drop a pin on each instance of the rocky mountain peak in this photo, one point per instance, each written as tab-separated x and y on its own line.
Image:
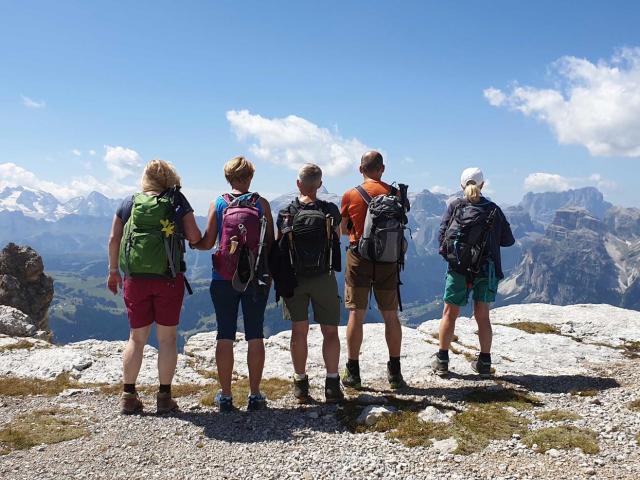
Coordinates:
24	285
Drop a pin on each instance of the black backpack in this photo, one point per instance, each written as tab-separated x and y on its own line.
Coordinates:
467	235
310	233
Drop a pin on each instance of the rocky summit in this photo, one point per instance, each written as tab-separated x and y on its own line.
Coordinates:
24	286
564	403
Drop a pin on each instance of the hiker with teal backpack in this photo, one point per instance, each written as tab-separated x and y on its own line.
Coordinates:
147	244
303	264
472	231
241	227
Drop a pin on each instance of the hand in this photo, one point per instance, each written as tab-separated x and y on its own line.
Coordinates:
114	282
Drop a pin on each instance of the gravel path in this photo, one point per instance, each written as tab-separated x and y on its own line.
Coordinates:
289	441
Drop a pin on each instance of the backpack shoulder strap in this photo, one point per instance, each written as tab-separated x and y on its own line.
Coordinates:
364	194
227	197
393	191
254	198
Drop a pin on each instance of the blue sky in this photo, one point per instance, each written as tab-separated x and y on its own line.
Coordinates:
90	90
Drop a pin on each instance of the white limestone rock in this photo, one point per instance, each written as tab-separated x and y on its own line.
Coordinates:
433	415
15	323
373	413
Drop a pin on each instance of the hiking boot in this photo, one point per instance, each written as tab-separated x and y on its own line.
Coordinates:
301	390
165	404
130	404
333	391
440	367
396	382
256	402
482	368
352	380
224	403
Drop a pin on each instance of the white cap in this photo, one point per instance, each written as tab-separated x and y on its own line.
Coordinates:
473	174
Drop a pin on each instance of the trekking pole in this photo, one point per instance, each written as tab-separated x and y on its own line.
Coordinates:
330	240
263	231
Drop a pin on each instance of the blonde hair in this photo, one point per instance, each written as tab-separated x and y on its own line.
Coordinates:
310	175
158	176
238	169
472	192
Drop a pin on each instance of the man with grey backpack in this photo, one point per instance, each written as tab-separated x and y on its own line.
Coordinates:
374	218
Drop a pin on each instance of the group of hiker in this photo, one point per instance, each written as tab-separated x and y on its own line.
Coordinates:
299	256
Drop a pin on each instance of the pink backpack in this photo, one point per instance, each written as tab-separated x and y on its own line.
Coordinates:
240	230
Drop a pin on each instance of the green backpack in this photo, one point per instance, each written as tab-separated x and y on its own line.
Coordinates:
151	243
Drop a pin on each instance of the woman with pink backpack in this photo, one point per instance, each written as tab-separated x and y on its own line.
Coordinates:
241	226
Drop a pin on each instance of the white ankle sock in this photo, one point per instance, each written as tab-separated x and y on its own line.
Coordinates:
298	377
333	375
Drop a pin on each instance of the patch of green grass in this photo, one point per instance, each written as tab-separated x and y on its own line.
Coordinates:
534	327
473	429
41	427
504	397
563	438
557	416
19	345
17	387
634	405
632	349
177	391
273	388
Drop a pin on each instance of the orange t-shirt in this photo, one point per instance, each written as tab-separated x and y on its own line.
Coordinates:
355	208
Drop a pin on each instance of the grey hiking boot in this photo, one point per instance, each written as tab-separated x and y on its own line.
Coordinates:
130	404
301	390
482	367
256	402
439	366
224	403
165	404
396	382
333	391
352	380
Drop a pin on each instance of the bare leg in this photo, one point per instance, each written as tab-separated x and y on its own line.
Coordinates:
354	333
224	362
330	347
485	332
132	356
392	332
299	348
448	325
255	361
167	353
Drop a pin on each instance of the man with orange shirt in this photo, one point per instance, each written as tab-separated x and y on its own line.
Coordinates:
361	276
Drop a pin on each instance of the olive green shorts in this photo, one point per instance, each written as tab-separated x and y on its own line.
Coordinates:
456	291
322	292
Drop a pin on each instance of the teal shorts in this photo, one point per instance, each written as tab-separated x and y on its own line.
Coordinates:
456	291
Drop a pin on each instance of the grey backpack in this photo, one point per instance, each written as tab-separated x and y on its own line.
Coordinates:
383	239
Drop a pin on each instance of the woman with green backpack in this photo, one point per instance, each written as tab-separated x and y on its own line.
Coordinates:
147	244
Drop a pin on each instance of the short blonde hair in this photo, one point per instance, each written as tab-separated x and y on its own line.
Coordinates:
310	175
472	192
238	169
158	176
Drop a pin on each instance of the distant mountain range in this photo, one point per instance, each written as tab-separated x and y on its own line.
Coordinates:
44	206
571	247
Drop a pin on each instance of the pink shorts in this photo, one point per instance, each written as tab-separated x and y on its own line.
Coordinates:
153	299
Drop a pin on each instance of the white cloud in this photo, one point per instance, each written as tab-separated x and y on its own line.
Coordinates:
596	105
76	152
494	96
33	104
293	141
552	182
440	189
546	182
92	152
122	162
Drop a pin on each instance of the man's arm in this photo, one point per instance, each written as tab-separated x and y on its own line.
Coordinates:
115	280
344	212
